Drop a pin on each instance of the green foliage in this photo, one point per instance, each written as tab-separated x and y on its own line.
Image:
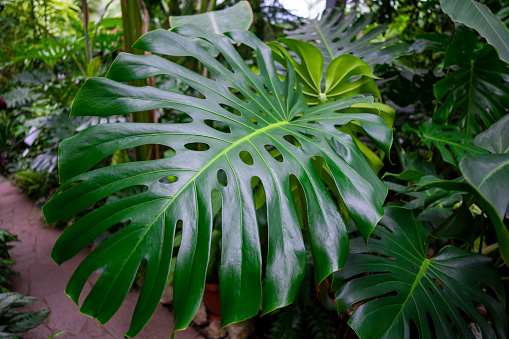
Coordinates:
14	321
477	16
5	259
410	286
337	34
239	16
263	164
272	109
474	91
452	144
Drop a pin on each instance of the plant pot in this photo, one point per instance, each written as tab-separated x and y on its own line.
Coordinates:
212	300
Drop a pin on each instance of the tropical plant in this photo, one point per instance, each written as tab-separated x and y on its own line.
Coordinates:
337	33
14	321
5	259
416	292
473	95
268	133
477	16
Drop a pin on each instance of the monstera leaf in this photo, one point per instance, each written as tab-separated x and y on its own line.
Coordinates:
238	16
472	92
496	138
479	17
433	293
336	34
244	125
448	139
345	75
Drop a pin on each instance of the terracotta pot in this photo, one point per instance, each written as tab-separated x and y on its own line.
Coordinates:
211	299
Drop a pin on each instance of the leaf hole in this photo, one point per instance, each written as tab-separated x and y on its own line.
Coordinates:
218	125
168	153
175	116
230	109
260	201
262	112
274	152
414	332
269	92
253	120
431	325
197	146
170	179
314	122
299	200
246	157
438	283
238	94
222	178
252	89
292	140
412	267
309	136
432	292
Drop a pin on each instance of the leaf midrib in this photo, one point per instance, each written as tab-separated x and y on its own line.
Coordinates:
192	180
324	41
218	156
416	282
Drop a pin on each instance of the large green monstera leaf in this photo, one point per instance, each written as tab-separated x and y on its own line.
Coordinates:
268	132
433	293
473	94
336	34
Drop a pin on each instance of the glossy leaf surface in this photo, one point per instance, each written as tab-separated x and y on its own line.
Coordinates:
407	286
336	34
489	176
496	138
345	75
471	95
477	16
265	117
238	16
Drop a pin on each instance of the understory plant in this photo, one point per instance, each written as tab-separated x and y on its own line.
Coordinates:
11	320
279	157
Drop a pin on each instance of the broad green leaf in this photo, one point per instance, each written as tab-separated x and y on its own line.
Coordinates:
238	16
496	138
489	176
459	225
403	285
471	94
266	118
477	16
336	34
452	144
345	75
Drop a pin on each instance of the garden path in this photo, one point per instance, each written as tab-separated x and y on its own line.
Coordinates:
42	278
